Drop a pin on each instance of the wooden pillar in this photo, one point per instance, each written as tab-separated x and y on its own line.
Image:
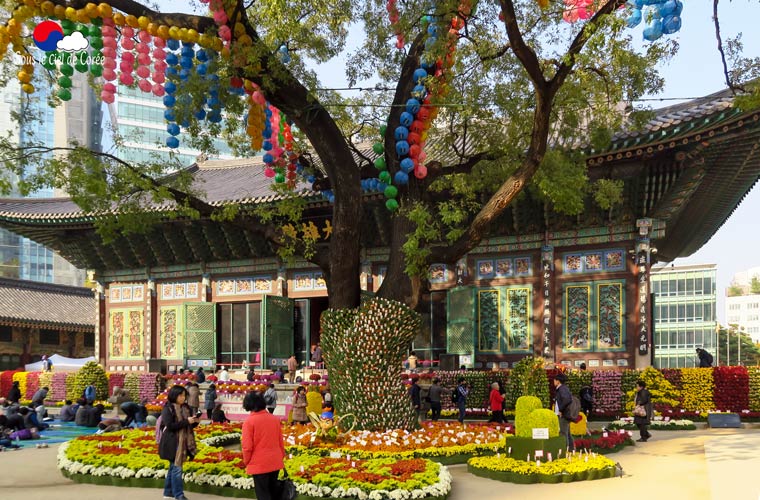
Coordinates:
643	332
549	349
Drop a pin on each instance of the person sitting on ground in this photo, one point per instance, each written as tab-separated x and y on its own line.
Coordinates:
13	422
224	375
218	416
200	376
90	394
93	415
10	408
80	417
68	411
134	412
39	397
14	395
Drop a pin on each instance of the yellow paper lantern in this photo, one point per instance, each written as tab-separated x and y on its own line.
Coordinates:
91	10
28	88
174	32
152	28
82	16
47	7
143	22
118	19
182	34
30	3
131	21
192	35
24	77
71	13
105	10
59	11
163	31
245	40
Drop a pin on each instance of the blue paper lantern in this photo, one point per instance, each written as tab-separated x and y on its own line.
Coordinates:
171	59
171	71
187	52
215	116
406	119
267	146
413	106
268	158
402	148
186	62
679	8
169	101
419	91
169	115
172	128
213	102
170	87
419	74
201	55
401	178
432	29
172	142
201	69
407	165
401	133
200	114
636	4
653	31
310	179
671	24
184	74
172	44
634	19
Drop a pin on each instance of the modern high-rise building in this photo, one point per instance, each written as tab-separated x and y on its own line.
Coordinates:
79	119
138	118
684	314
743	302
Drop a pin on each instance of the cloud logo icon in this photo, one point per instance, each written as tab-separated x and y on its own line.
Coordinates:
46	35
73	42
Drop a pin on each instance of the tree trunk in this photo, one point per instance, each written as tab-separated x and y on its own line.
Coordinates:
398	285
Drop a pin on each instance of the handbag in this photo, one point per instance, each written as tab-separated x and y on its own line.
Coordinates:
639	411
287	487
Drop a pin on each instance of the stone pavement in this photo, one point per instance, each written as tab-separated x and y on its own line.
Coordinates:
704	464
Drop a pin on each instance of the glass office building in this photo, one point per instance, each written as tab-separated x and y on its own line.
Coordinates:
684	314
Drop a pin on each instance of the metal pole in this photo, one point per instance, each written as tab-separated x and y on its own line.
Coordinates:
728	347
739	339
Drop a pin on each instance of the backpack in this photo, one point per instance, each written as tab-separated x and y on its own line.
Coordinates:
159	430
573	409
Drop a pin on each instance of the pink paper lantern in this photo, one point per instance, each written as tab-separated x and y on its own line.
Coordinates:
125	66
143	36
109	62
106	97
107	31
108	21
109	52
142	48
144	85
159	54
109	42
224	32
143	59
109	87
127	43
126	79
158	89
420	172
109	74
128	31
143	71
159	42
158	77
269	172
160	66
220	17
128	56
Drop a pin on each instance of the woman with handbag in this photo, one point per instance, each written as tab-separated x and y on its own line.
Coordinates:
177	442
263	448
642	410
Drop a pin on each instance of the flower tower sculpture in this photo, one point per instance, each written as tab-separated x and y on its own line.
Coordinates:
363	351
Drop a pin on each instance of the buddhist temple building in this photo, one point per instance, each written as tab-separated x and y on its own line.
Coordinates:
571	288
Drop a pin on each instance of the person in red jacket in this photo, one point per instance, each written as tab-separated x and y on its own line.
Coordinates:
263	448
497	404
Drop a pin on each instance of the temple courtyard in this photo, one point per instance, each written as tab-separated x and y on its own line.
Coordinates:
701	464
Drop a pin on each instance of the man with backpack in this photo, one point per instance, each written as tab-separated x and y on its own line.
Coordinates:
567	408
459	398
705	358
270	398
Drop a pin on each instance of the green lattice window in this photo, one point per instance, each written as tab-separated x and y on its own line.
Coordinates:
200	330
461	319
519	337
489	311
594	316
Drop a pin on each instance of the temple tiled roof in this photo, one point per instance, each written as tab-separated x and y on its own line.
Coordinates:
44	305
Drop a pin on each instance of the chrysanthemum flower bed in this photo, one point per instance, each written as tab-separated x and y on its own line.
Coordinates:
576	467
604	442
658	424
444	442
130	458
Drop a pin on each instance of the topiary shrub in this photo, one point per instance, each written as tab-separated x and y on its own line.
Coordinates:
525	406
542	419
313	401
90	373
528	378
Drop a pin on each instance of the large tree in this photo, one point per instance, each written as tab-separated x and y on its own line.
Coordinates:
514	93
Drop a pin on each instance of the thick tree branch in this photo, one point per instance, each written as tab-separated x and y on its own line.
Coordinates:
522	51
576	46
198	23
436	169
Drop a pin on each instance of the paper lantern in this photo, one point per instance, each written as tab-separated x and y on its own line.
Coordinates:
401	178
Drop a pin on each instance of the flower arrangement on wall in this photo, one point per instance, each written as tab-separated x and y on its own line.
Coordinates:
754	387
528	378
664	395
731	388
608	395
697	389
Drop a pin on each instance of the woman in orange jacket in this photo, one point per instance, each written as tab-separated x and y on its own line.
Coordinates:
263	448
497	404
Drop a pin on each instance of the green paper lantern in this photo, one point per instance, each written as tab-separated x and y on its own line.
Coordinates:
279	178
82	28
65	82
96	21
67	69
383	128
96	43
96	69
391	204
94	31
81	67
64	94
378	148
385	177
49	62
391	192
380	163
